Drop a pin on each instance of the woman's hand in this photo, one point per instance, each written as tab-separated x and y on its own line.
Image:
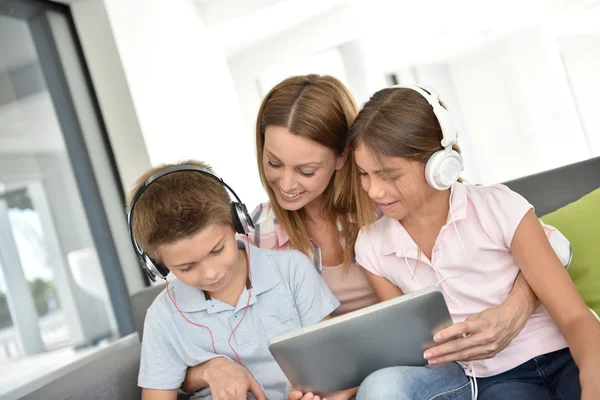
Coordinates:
479	337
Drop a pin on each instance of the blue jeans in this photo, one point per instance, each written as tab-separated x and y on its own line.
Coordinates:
547	377
440	382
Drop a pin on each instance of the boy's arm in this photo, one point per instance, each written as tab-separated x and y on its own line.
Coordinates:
314	300
161	365
151	394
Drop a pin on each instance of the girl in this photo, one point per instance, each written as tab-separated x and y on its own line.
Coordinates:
470	241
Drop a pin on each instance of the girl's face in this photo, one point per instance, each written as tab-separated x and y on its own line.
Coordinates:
396	184
297	168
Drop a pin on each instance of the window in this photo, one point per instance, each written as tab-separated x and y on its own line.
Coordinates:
60	267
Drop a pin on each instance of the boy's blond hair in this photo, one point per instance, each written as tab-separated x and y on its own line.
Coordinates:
176	206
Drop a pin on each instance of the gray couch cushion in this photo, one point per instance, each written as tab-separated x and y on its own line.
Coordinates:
111	373
550	190
140	302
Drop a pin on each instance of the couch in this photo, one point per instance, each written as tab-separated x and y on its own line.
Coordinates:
114	376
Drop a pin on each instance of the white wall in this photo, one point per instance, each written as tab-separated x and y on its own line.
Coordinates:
111	89
581	56
180	87
365	75
317	35
438	77
515	101
510	98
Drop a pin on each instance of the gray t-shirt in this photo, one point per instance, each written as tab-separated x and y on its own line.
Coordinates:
287	294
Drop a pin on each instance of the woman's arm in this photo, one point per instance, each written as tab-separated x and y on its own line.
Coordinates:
551	283
489	332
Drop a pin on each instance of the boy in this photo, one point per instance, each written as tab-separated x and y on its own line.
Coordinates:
229	297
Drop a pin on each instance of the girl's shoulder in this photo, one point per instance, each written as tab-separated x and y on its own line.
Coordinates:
374	234
492	196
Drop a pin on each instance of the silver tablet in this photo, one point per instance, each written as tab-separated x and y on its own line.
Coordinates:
340	353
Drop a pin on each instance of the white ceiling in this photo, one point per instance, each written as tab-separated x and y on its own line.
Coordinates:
420	29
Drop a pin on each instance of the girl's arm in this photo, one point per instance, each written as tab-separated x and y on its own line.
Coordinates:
552	285
384	289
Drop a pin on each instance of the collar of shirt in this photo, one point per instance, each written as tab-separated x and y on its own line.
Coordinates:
264	278
397	240
282	237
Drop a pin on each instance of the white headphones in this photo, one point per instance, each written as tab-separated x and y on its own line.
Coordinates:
444	166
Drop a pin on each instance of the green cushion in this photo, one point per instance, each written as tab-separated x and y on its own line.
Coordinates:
580	223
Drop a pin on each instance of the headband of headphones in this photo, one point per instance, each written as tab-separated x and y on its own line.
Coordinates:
449	133
241	218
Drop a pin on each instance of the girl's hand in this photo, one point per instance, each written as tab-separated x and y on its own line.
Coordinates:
479	337
298	395
342	395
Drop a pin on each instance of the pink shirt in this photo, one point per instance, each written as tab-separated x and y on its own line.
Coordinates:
473	278
350	287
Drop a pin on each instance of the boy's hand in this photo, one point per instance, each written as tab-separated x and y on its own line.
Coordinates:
343	395
230	381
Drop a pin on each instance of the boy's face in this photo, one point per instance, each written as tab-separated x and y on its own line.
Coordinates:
207	260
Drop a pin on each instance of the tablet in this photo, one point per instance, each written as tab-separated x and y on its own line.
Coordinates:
340	353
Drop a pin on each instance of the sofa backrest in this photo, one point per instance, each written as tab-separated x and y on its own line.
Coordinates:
550	190
108	373
140	302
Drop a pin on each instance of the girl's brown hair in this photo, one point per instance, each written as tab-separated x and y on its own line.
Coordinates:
321	109
397	122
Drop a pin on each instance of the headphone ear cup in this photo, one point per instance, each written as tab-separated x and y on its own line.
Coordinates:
154	269
238	218
443	169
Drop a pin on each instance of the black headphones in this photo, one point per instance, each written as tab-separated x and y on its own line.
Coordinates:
241	218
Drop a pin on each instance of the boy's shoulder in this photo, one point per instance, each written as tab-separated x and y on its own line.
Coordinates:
160	305
282	260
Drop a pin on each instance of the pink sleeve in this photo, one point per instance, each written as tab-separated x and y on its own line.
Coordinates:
504	209
365	254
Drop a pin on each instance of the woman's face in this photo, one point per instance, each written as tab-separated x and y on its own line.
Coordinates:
296	168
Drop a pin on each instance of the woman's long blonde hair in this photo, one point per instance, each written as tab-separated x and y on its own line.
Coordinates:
321	109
